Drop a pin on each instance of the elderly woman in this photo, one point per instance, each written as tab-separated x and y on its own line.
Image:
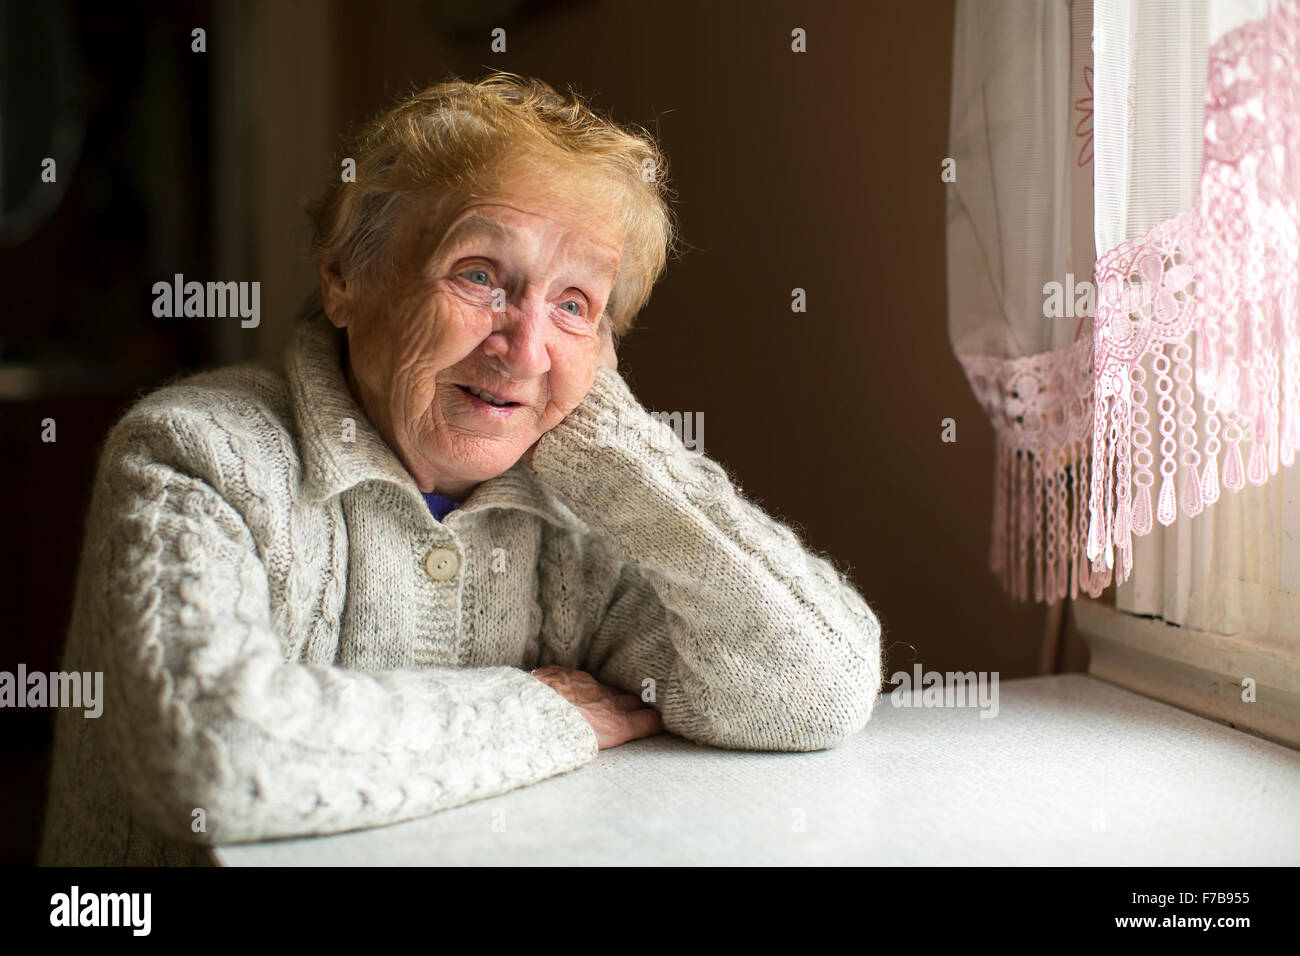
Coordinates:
445	552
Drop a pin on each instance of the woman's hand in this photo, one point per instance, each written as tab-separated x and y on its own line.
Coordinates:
615	716
607	358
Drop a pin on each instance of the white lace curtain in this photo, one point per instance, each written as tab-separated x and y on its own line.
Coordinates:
1196	135
1192	366
1020	217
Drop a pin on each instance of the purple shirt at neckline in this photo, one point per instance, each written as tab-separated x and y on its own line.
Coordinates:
439	505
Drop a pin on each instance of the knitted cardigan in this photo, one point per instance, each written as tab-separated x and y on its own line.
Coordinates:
282	657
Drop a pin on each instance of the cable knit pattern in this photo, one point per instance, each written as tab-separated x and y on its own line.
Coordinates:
275	654
752	641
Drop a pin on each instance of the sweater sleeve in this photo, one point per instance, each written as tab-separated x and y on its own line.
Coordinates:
204	712
746	639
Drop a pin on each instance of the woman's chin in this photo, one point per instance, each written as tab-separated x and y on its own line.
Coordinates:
477	445
484	465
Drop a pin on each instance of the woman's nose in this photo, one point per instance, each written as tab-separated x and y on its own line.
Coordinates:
518	339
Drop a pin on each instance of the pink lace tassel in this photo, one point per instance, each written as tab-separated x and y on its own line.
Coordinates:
1192	503
1232	478
1142	511
1120	534
1210	482
1167	508
1257	472
1094	535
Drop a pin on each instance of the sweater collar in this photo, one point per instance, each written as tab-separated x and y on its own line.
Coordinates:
322	402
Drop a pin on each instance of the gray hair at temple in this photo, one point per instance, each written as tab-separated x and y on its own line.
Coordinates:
457	140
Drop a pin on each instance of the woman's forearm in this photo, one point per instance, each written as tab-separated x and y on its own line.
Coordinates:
755	641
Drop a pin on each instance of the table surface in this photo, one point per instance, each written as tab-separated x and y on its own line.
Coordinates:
1071	771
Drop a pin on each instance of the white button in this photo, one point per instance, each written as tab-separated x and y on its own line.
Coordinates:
441	564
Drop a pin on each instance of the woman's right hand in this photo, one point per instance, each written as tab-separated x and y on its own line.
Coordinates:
614	715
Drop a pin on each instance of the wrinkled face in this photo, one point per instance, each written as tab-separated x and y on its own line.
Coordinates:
488	335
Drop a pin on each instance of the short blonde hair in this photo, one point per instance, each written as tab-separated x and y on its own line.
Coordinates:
456	140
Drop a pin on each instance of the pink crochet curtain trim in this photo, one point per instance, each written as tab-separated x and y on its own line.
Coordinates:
1042	413
1223	275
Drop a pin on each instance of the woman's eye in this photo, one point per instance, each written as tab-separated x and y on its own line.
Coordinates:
577	307
478	276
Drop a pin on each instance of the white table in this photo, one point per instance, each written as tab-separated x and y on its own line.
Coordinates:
1072	771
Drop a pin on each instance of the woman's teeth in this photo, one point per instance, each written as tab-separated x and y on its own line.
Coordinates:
486	396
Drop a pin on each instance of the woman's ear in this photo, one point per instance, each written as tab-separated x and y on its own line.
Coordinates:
335	294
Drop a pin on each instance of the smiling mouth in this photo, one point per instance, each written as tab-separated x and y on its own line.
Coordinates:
486	397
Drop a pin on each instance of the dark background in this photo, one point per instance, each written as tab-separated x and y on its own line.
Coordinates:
817	170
